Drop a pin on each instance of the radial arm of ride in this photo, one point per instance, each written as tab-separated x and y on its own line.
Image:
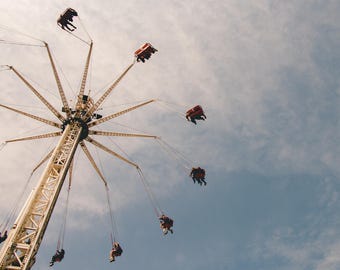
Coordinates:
83	81
99	145
93	163
43	100
51	123
109	117
107	92
60	88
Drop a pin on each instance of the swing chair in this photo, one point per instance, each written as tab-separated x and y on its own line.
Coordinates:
65	22
197	174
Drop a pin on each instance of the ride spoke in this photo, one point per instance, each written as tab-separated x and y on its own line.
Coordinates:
43	136
118	134
108	92
60	88
89	156
99	145
109	117
83	82
51	123
43	100
42	161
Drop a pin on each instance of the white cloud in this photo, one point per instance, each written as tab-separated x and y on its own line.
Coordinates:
262	71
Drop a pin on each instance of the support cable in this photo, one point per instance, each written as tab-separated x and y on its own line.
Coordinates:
37	84
127	127
72	34
63	74
46	121
125	104
84	77
93	163
26	106
42	99
57	79
83	40
152	198
99	145
182	160
157	209
107	93
12	213
20	33
2	145
43	161
4	68
173	104
114	115
120	148
19	43
114	227
166	105
61	237
30	131
87	33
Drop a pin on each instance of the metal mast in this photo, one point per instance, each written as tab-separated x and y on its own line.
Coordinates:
26	235
19	250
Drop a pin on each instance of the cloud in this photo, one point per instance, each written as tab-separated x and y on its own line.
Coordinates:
266	74
310	239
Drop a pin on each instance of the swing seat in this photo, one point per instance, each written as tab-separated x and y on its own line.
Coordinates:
66	18
144	52
194	112
69	13
200	175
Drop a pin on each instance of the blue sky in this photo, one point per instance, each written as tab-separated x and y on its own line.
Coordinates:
266	73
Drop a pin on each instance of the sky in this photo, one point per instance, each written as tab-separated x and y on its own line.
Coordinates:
267	75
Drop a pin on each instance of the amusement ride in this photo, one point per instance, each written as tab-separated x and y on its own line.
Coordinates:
76	126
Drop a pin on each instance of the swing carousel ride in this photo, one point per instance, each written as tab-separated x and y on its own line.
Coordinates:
76	126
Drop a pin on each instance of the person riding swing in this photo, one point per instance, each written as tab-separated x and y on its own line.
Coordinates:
166	224
57	257
115	251
66	18
195	113
3	237
198	174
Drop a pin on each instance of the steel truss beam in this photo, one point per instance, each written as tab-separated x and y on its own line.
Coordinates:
107	92
42	136
99	145
109	117
24	238
43	100
83	81
118	134
93	163
51	123
57	79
